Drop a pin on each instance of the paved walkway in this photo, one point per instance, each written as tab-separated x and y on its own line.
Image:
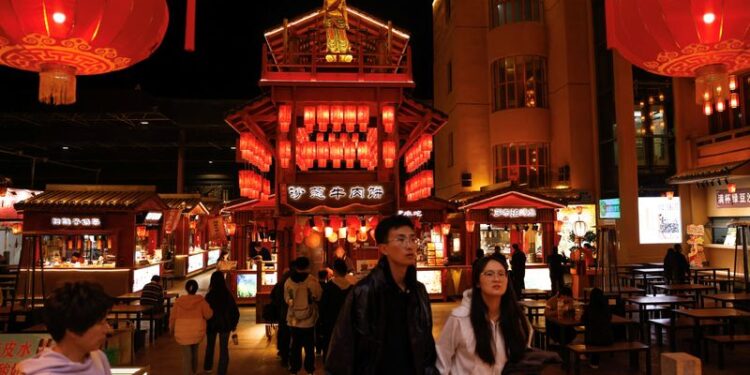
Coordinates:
256	355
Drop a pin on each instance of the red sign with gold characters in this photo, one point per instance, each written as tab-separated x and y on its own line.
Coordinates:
740	198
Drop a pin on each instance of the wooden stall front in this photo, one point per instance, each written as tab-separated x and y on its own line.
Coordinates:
87	232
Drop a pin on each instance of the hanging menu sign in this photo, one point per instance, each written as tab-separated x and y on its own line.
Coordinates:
740	198
305	197
513	213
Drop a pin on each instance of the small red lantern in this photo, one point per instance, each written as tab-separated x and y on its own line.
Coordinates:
285	153
470	225
336	151
231	228
337	117
16	228
389	115
322	149
324	116
285	117
350	117
140	231
363	117
732	188
309	118
389	153
445	228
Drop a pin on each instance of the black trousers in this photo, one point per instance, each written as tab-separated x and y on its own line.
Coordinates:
283	338
302	338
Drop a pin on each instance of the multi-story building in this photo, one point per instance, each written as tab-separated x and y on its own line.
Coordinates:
534	97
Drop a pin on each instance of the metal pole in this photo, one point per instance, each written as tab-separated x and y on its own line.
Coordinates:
744	255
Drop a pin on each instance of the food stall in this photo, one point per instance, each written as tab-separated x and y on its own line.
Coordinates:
11	222
509	215
86	232
187	236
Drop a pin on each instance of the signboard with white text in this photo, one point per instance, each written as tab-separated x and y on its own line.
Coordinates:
740	198
308	196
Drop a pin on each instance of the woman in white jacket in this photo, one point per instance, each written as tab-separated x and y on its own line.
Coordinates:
488	329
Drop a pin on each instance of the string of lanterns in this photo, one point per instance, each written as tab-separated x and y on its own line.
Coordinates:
419	153
419	186
254	152
350	228
253	185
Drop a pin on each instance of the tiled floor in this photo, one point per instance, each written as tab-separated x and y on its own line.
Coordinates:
256	355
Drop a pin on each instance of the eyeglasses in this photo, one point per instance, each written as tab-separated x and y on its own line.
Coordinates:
492	274
405	241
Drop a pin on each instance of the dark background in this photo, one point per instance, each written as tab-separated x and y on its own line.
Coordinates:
125	126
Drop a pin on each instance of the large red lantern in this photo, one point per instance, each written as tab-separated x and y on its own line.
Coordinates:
389	153
705	39
389	118
350	117
337	117
64	38
324	116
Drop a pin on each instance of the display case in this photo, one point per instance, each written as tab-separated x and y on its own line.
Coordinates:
212	257
244	285
195	262
143	275
432	280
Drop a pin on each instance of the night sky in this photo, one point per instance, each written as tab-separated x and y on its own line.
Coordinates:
229	37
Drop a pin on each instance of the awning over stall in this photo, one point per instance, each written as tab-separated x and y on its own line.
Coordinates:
712	173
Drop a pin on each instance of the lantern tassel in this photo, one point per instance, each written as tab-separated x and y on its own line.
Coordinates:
190	26
57	84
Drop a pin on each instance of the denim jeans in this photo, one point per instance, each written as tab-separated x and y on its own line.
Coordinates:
189	359
208	362
302	338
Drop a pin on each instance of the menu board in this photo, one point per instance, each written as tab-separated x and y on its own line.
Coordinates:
247	285
659	220
432	280
142	276
195	262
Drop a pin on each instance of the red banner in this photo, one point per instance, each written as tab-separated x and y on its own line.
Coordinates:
216	231
171	219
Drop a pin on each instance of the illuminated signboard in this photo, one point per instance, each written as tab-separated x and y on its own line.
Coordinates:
512	213
195	262
414	213
247	285
659	220
337	195
609	208
740	198
76	222
142	276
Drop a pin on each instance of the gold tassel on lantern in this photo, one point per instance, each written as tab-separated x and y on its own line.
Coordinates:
57	84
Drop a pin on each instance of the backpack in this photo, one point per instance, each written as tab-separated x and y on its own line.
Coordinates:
302	307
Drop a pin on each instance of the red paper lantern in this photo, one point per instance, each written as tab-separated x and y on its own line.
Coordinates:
445	229
324	116
706	39
363	117
337	117
322	150
732	188
285	153
350	117
16	228
389	117
61	39
230	228
140	230
389	153
285	117
470	225
309	118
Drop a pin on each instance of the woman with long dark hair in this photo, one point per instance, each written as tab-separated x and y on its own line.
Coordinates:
222	323
489	329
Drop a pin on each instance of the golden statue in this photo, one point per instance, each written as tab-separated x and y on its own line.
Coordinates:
336	22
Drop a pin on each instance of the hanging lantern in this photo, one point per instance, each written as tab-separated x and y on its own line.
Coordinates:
350	153
335	222
558	226
579	228
342	232
16	228
470	225
313	240
285	153
350	118
669	194
230	228
363	117
362	236
732	188
321	148
351	238
707	108
692	38
328	231
309	118
732	82
285	117
337	117
62	39
734	100
333	237
389	117
445	228
336	151
720	105
140	230
324	116
389	153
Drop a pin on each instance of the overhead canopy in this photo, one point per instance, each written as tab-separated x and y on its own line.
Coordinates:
712	173
244	204
94	197
189	203
508	197
9	199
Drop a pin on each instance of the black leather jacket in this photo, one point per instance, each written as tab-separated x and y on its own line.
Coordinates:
356	345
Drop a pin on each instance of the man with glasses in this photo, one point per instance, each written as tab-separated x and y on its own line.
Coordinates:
385	325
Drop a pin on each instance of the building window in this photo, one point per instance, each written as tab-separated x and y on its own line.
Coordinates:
733	117
449	70
504	12
519	82
522	163
450	149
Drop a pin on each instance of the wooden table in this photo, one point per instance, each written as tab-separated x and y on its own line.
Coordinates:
132	297
644	301
695	272
534	308
645	272
691	288
725	298
535	293
575	320
128	310
698	315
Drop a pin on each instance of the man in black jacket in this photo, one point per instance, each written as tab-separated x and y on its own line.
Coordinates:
385	325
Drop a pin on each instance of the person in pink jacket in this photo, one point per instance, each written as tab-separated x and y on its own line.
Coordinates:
188	323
